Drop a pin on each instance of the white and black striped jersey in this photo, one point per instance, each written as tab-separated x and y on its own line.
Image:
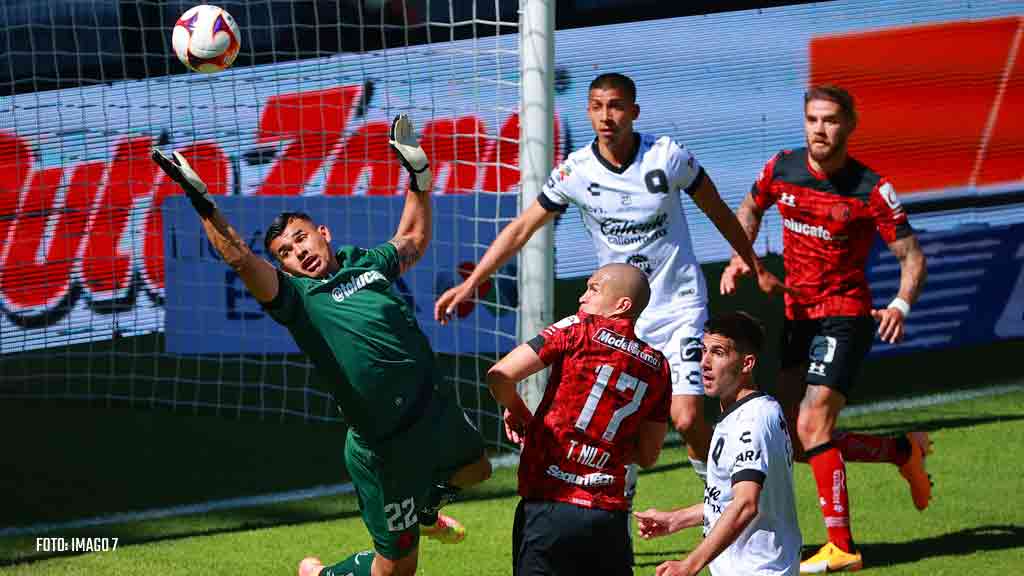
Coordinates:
751	443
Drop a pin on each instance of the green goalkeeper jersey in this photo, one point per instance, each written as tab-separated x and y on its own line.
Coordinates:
362	337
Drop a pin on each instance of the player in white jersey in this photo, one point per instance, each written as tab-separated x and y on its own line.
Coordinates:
749	509
627	186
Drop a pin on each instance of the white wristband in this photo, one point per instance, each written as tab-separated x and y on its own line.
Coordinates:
901	305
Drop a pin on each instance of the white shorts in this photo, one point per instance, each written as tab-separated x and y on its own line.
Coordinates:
680	341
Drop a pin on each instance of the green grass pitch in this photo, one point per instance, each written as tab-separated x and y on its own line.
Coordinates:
974	526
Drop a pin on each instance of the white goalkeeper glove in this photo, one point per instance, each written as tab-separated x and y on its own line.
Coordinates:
194	187
410	153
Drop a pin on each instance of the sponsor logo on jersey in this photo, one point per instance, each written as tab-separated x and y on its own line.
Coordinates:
640	262
627	345
625	232
564	171
592	479
748	456
787	199
806	229
817	368
343	291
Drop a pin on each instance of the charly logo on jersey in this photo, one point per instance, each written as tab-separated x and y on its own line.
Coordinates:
627	345
344	290
622	232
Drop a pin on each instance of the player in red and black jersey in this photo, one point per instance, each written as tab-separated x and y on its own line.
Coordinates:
831	207
606	405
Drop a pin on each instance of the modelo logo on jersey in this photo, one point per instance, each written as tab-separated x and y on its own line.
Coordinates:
343	291
627	345
806	229
625	232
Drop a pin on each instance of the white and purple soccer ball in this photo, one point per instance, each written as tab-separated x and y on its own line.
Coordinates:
206	39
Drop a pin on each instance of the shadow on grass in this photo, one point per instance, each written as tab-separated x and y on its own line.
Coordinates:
240	520
933	424
660	556
959	543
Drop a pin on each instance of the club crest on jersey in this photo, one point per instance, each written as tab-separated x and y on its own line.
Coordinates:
561	324
627	345
787	199
564	171
346	289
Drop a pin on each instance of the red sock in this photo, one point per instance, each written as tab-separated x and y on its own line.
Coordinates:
870	448
830	475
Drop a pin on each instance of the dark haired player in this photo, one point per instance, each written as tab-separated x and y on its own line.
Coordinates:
749	509
409	445
831	207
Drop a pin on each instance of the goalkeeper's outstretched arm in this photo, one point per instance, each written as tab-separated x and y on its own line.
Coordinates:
414	229
259	276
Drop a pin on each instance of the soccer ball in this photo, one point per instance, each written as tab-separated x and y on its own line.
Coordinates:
206	39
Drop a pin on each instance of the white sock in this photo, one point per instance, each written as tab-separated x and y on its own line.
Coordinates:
700	468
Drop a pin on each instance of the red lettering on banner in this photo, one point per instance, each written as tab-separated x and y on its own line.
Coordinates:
366	153
502	156
24	283
106	268
15	162
210	162
454	144
314	122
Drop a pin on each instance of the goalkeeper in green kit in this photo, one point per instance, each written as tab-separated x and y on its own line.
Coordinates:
409	447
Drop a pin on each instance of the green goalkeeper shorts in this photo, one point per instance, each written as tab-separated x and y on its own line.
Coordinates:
393	481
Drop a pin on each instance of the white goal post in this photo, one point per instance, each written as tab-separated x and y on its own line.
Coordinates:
536	150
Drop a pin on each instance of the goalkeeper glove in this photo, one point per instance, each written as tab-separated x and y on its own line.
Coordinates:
410	153
177	169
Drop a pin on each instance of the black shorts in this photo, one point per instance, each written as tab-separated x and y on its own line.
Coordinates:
832	348
555	538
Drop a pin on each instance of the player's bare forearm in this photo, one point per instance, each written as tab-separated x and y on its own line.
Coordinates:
749	216
414	229
502	378
728	225
734	519
913	267
509	241
256	273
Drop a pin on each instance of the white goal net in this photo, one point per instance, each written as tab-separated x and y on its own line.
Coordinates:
109	294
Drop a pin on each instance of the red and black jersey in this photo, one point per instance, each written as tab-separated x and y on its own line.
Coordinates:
604	383
829	226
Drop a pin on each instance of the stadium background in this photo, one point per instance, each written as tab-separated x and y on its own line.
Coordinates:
101	394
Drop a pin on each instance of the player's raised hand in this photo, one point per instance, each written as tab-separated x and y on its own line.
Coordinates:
653	523
770	284
449	302
403	141
675	568
514	429
178	169
890	324
736	269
